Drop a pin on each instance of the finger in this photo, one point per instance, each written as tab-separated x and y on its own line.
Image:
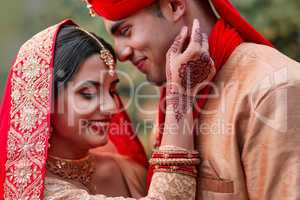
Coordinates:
196	36
205	44
179	41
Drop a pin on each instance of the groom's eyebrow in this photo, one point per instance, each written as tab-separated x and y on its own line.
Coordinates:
116	25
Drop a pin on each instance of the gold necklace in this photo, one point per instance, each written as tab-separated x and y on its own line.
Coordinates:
80	170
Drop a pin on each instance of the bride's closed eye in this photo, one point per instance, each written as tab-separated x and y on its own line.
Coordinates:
88	90
88	93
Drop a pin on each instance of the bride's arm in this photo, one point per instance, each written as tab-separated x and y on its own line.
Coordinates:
167	186
183	83
186	75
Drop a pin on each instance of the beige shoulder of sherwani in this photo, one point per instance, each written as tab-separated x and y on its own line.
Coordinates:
249	130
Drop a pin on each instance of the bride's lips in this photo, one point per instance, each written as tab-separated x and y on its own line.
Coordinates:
99	127
141	64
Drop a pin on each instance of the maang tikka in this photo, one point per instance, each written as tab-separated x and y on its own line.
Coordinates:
105	54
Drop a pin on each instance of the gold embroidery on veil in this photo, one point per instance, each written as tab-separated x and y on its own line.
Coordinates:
30	105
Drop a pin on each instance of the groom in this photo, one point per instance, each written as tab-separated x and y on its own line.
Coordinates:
248	117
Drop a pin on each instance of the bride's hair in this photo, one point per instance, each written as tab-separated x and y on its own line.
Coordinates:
72	48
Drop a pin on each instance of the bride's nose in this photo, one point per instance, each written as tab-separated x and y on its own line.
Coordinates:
108	105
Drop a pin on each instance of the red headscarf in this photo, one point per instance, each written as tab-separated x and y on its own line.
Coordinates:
229	32
25	120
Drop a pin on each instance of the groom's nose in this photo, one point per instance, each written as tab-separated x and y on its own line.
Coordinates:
123	52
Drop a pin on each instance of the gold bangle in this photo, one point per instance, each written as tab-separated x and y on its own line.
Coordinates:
174	161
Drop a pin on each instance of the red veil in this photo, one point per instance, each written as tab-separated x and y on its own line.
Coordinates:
25	120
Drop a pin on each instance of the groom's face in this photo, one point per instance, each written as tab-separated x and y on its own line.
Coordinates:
143	39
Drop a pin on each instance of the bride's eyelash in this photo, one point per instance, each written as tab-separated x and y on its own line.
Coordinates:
87	95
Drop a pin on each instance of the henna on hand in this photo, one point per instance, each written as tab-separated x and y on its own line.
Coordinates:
195	72
176	45
186	70
198	36
179	104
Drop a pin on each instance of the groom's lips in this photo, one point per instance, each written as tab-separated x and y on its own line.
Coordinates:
141	64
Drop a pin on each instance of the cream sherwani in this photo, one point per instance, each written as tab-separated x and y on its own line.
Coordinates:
249	130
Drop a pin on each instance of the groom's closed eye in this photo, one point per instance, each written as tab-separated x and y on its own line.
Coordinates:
124	31
115	27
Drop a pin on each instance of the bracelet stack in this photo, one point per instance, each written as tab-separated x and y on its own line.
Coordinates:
175	161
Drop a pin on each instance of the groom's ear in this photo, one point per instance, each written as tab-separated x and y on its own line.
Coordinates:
173	10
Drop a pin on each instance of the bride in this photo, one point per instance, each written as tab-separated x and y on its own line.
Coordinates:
60	102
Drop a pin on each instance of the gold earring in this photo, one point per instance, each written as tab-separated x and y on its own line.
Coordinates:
108	59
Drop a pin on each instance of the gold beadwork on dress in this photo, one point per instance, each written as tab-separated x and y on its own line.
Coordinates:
80	170
164	185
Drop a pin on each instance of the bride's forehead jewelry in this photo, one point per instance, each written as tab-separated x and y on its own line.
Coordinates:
90	7
105	54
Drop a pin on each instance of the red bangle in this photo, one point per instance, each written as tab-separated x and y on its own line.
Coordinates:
190	170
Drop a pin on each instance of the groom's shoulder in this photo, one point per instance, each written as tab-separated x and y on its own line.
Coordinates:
257	70
255	62
256	55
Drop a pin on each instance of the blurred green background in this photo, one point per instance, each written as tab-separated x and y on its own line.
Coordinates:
278	20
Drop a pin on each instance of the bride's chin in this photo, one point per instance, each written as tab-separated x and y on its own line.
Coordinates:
98	141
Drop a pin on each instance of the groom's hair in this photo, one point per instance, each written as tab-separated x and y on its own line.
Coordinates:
72	48
156	9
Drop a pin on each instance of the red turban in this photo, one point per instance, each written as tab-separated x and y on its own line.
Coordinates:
119	9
